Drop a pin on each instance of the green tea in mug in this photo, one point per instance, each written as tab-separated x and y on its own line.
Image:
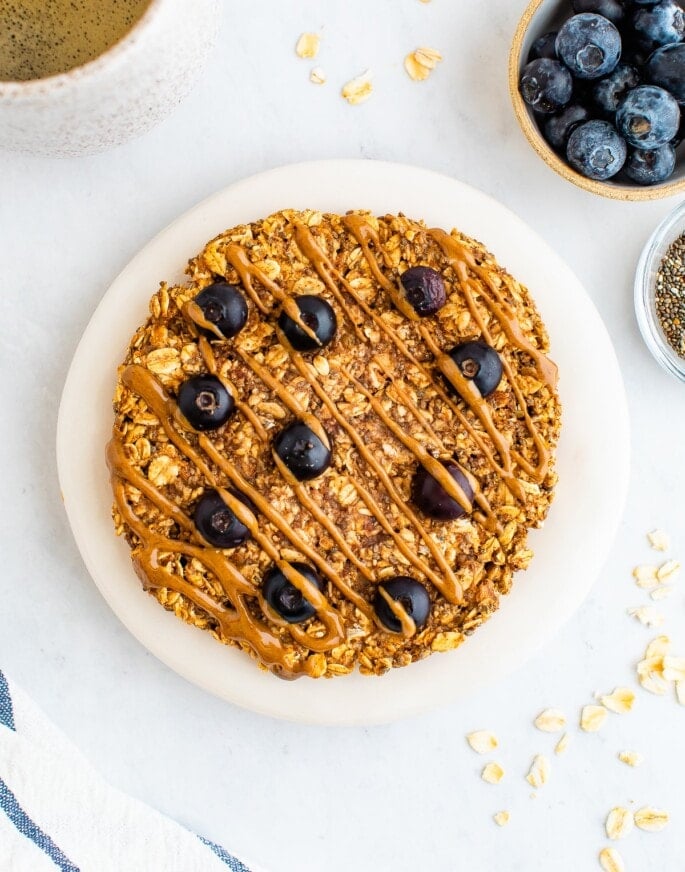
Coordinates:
40	38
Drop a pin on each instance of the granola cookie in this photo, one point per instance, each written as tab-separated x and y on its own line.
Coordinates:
330	443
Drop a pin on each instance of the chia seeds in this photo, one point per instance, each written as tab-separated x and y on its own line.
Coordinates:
670	295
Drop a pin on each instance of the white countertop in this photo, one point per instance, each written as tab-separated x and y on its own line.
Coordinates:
305	799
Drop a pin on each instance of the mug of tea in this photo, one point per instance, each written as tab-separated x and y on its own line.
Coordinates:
80	76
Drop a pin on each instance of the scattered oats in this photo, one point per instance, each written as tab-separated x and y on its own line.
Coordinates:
492	773
658	647
611	861
358	90
539	771
680	691
550	721
502	818
592	718
645	576
658	540
631	758
562	744
668	570
482	741
648	615
620	701
317	76
652	820
674	668
650	675
662	592
619	823
308	45
420	63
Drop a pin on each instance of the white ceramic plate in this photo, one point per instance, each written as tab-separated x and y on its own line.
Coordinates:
593	459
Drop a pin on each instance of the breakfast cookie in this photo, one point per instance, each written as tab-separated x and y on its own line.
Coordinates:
329	445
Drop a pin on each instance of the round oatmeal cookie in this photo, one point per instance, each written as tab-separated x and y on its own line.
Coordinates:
329	445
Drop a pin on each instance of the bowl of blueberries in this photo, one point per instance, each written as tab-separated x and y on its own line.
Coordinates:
598	87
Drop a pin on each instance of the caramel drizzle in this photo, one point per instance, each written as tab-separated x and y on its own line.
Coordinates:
461	260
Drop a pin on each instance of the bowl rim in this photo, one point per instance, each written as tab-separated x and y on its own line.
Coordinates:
663	235
612	190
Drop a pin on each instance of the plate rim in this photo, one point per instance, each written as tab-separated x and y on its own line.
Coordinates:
337	167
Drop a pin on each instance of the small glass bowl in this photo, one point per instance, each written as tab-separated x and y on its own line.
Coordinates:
645	285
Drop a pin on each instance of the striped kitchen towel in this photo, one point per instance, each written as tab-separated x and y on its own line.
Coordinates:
56	812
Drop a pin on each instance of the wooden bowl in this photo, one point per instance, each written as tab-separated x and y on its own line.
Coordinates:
540	17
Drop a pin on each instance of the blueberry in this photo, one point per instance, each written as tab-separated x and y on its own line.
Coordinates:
205	402
318	315
666	68
614	10
480	363
425	290
596	150
650	167
589	45
225	307
411	595
558	128
546	85
544	47
302	451
648	117
284	598
429	495
217	523
659	25
608	92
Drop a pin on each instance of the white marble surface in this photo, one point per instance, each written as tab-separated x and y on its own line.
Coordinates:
296	799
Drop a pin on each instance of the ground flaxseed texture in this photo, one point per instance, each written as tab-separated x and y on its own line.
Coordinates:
670	295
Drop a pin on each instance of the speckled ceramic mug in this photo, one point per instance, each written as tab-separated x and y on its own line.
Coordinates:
120	94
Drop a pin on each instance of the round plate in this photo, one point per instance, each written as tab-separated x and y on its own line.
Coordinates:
593	457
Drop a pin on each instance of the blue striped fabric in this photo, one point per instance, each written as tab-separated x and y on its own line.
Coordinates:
9	804
231	862
11	807
6	711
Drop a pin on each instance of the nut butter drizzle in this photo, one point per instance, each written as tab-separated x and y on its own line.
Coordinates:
299	489
249	629
461	260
